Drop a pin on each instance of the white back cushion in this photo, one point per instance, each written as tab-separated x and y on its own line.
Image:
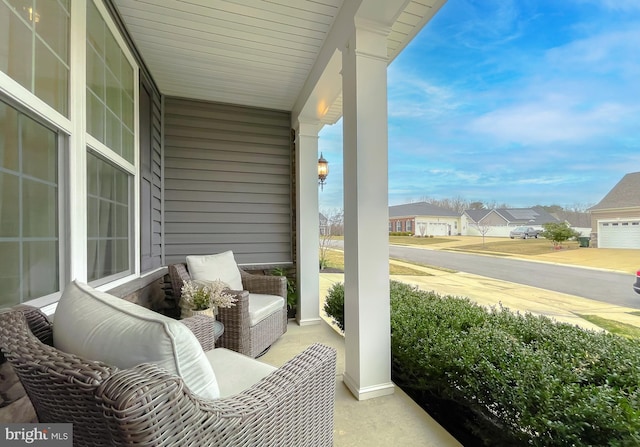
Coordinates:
220	266
99	326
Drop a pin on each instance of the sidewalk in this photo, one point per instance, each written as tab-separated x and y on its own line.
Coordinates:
517	297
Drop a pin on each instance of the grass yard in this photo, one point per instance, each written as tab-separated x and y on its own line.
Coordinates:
614	327
411	240
529	247
335	260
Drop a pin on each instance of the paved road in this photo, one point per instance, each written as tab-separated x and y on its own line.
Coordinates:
608	287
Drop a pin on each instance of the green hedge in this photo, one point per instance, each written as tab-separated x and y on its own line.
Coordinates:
527	379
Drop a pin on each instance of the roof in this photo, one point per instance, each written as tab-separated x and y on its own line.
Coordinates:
517	216
626	194
420	209
477	215
266	54
530	216
575	218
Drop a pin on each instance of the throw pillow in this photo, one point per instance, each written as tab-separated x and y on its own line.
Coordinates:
220	266
99	326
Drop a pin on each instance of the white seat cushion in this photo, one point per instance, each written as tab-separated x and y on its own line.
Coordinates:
236	372
220	266
99	326
261	306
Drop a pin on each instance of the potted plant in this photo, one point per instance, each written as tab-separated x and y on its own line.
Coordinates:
292	294
204	297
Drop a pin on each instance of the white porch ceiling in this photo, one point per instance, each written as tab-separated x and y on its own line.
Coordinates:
250	52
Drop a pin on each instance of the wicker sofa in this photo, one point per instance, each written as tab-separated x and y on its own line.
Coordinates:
239	334
147	405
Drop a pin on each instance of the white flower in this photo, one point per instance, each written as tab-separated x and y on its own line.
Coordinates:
200	295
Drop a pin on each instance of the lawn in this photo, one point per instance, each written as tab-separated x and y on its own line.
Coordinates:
529	247
412	240
614	327
335	260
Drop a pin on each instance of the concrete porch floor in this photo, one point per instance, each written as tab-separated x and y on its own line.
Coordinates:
390	420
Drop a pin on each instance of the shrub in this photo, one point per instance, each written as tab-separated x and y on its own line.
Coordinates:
527	379
334	304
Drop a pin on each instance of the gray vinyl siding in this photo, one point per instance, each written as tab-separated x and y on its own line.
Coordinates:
227	183
150	180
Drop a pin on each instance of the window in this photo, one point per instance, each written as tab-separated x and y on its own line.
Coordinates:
108	217
398	225
390	226
110	80
110	159
34	48
29	208
408	225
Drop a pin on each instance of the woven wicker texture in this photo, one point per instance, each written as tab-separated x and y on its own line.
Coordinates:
238	334
148	406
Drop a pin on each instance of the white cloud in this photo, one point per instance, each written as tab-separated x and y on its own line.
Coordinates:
550	120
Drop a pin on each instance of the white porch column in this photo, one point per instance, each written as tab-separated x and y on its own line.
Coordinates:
307	223
366	240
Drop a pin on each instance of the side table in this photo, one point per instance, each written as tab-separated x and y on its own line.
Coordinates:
218	330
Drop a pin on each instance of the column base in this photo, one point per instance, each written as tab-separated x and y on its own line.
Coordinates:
309	321
369	392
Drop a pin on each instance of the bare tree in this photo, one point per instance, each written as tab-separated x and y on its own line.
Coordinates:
331	224
483	228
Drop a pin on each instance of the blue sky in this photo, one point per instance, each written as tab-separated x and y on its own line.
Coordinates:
521	102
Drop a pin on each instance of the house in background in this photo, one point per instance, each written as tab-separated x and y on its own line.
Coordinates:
578	221
499	222
423	219
615	220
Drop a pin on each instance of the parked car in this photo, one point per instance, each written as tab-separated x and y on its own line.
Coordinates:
636	286
525	232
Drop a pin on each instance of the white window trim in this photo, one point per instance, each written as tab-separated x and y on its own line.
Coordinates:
73	209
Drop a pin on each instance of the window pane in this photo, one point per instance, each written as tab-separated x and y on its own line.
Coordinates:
10	273
40	266
51	79
108	245
95	29
113	138
95	116
9	140
39	154
112	53
39	32
40	209
16	42
29	265
113	94
9	206
111	77
54	29
95	73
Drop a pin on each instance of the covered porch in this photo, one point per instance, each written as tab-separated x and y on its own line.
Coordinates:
191	127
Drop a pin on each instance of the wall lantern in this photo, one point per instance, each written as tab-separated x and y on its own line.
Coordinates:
323	171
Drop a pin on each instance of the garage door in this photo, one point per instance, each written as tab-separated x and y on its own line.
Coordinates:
438	229
620	234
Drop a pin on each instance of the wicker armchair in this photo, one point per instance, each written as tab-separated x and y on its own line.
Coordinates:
145	405
238	334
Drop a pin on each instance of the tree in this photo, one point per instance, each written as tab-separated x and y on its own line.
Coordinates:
333	225
558	232
483	228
